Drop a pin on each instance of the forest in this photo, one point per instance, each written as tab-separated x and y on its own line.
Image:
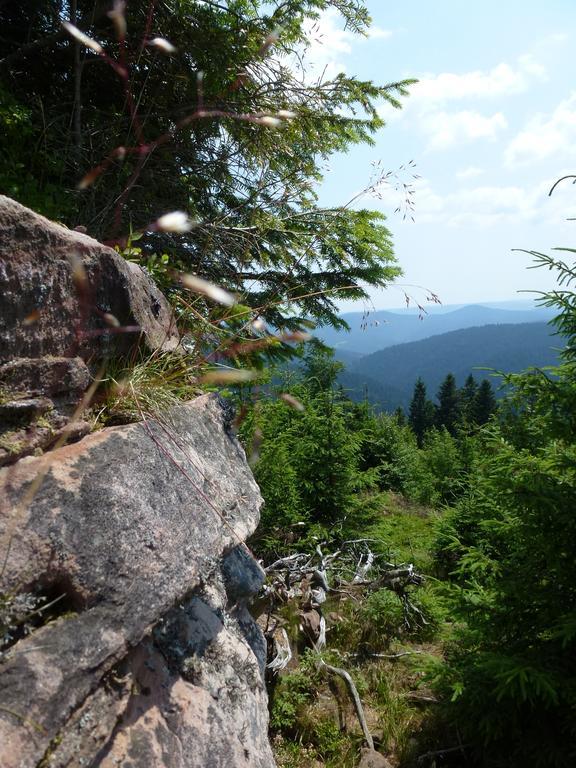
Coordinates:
441	534
387	377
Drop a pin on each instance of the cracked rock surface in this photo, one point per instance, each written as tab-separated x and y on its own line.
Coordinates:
149	657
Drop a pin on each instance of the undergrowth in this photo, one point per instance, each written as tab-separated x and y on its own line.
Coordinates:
313	722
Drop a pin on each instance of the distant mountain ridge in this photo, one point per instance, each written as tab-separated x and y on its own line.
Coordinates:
382	329
387	377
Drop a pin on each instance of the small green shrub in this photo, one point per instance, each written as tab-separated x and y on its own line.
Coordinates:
293	692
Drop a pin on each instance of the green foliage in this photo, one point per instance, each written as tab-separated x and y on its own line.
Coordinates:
310	466
448	411
260	232
444	461
320	368
372	625
293	692
484	404
421	414
296	718
408	532
22	171
467	398
436	474
381	617
331	464
510	544
278	480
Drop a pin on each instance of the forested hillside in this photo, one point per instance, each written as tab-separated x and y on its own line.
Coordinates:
376	330
391	373
469	662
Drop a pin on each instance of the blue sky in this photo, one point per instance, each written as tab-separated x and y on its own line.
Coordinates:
491	125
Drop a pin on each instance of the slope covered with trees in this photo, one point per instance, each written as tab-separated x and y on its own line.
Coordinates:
375	330
502	348
500	611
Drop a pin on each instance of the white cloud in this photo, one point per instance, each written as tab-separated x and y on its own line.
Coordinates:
377	33
503	79
486	206
471	172
545	135
448	128
440	105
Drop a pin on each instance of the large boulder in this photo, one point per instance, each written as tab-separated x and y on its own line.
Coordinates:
67	303
147	656
61	294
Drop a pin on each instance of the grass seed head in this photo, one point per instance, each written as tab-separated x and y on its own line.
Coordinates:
214	292
292	401
82	38
162	45
176	221
118	18
228	376
269	121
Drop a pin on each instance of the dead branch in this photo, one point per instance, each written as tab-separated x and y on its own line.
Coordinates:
374	655
308	578
355	699
441	752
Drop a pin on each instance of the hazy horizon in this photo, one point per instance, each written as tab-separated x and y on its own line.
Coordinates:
431	308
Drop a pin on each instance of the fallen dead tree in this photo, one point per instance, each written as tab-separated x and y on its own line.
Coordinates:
306	579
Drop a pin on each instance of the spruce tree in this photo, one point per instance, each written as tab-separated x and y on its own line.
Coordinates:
325	458
467	401
278	483
419	415
448	410
223	128
484	403
320	368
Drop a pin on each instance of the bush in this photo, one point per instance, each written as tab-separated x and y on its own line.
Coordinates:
511	546
293	692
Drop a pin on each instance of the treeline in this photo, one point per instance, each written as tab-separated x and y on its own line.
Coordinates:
457	409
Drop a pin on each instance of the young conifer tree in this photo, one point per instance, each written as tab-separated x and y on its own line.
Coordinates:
448	410
467	397
484	403
200	107
420	412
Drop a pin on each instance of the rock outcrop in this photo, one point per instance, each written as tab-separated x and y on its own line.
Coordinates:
64	294
125	638
66	304
150	659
